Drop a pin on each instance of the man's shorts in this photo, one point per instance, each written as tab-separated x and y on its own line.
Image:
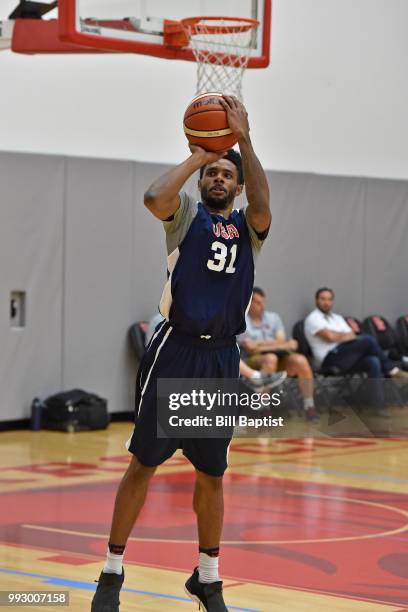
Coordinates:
255	361
171	355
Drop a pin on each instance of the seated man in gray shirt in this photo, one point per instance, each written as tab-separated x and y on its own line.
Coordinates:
267	349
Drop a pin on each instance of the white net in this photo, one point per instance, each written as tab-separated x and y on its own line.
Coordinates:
222	50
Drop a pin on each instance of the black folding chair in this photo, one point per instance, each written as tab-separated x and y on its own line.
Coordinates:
402	333
354	323
378	327
137	335
332	386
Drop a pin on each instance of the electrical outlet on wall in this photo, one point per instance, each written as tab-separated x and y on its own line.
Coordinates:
17	309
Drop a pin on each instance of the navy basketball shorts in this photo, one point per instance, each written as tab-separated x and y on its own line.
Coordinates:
171	355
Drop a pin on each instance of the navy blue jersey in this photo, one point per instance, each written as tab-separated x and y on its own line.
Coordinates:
211	271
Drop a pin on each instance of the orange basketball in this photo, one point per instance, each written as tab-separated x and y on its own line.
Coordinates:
206	123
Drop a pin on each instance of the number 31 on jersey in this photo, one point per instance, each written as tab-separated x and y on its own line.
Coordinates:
217	264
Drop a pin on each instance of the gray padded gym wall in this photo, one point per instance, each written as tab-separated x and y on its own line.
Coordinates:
31	224
316	239
149	255
74	235
98	278
386	249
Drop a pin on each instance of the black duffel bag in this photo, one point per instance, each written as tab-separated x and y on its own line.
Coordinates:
74	410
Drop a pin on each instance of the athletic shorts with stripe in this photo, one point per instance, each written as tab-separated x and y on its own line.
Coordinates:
171	355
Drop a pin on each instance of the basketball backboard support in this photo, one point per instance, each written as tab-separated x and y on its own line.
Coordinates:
137	26
31	36
6	34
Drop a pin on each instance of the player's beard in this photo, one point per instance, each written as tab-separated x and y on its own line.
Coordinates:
325	310
216	202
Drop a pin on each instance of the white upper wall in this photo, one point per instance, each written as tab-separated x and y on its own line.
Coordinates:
333	100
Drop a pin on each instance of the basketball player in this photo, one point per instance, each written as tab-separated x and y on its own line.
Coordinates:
211	250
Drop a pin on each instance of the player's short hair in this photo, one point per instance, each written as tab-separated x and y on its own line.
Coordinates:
259	291
322	289
234	157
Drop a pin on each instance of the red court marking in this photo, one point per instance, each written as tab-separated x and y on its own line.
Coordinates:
254	449
126	459
257	509
342	443
301	446
298	457
17	480
116	458
61	469
360	451
66	559
91	557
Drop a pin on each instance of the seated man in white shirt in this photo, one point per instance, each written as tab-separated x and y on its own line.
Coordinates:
268	349
335	345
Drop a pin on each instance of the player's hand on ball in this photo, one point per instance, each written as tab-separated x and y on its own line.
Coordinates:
207	156
237	116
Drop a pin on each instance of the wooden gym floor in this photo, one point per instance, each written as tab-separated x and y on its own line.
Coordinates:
310	524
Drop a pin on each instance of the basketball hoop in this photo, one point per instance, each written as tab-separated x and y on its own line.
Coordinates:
221	47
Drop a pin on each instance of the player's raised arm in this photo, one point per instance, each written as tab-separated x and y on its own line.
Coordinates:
162	197
258	213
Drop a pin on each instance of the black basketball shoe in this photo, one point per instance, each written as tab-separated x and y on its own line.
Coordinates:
207	595
106	598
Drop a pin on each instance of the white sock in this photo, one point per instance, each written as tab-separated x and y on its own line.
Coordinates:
208	568
256	374
394	371
113	563
308	403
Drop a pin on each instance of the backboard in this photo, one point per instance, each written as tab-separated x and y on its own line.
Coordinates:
137	26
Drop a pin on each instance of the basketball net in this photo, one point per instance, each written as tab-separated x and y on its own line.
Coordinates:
222	48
